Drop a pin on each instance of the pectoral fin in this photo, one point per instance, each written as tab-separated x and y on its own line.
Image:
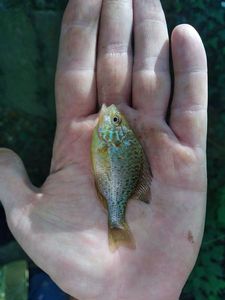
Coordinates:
143	190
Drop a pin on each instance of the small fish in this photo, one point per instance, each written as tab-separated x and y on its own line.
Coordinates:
121	172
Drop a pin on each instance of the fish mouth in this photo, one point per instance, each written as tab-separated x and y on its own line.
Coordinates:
103	108
105	112
102	113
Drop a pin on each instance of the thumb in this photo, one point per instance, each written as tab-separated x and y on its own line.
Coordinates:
15	188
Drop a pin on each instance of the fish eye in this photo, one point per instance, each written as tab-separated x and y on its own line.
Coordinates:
116	120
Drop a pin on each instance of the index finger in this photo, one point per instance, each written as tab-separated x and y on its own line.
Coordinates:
75	76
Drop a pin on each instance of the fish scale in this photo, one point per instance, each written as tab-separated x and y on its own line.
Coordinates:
122	186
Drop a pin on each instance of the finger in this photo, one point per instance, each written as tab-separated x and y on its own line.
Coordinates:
189	107
15	187
75	76
151	79
114	61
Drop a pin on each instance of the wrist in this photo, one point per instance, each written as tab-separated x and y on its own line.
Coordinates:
161	291
150	290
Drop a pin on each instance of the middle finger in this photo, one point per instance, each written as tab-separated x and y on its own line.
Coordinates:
114	62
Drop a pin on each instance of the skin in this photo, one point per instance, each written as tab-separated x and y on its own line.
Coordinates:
62	225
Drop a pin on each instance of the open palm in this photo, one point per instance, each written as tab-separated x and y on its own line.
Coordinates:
62	225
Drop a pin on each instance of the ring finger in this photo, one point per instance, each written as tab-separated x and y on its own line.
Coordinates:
151	78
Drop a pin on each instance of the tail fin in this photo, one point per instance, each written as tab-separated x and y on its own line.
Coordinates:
121	237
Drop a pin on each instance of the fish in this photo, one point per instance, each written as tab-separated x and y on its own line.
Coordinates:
121	172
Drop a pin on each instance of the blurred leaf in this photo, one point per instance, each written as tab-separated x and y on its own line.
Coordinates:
19	65
14	281
221	208
11	252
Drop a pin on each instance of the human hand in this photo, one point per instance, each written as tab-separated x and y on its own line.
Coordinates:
62	225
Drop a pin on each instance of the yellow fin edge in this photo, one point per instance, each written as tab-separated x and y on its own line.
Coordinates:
121	237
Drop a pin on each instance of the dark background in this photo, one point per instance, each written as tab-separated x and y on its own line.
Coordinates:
29	32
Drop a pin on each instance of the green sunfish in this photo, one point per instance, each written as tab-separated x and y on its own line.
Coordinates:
121	172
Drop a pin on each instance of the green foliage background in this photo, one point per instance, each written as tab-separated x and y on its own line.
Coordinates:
29	32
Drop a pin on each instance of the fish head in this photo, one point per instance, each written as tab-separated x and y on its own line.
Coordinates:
112	125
